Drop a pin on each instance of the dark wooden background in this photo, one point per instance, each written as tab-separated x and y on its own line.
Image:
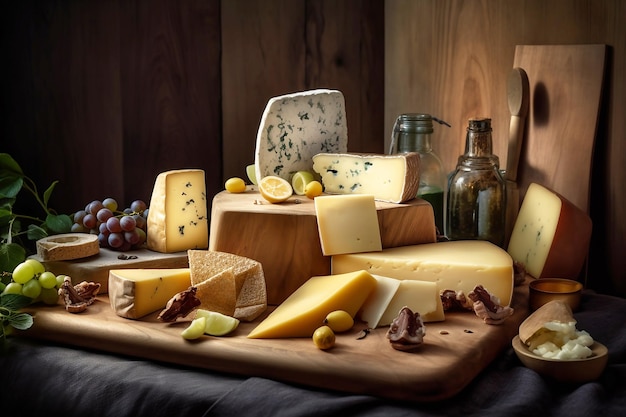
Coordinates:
105	94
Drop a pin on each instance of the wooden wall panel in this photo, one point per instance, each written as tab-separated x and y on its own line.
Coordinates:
275	48
451	58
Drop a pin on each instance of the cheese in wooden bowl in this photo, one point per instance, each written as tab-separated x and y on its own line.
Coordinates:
550	344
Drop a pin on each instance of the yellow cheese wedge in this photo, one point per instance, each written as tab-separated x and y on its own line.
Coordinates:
551	235
304	310
392	178
347	224
135	293
178	219
454	265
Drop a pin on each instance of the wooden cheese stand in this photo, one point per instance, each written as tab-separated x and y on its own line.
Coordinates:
455	351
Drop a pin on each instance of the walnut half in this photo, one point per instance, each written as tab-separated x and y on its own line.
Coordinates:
487	306
407	331
180	305
78	297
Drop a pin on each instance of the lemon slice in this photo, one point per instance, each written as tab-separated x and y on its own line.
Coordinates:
195	329
217	324
251	173
275	189
300	180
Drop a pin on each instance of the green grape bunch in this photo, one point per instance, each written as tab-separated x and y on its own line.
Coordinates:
117	230
31	279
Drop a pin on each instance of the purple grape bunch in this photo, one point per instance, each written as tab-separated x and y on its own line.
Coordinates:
117	230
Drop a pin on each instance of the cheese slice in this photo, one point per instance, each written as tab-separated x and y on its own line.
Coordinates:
551	235
454	265
177	219
218	293
295	127
304	310
347	224
420	296
391	178
134	293
377	302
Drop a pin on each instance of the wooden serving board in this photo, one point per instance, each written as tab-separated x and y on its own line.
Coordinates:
454	352
565	91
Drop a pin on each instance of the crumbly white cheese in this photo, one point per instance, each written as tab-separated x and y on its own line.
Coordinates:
566	342
295	127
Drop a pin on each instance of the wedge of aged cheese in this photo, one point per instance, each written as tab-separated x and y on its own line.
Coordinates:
551	235
67	246
454	265
392	178
228	283
134	293
347	224
294	127
178	219
305	309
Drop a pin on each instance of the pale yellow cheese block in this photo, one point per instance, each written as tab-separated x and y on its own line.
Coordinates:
178	217
454	265
392	178
305	310
375	305
134	293
347	224
551	235
420	296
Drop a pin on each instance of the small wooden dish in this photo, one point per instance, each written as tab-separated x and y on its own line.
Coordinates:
570	371
543	290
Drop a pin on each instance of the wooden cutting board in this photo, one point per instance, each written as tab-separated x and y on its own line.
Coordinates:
454	352
565	91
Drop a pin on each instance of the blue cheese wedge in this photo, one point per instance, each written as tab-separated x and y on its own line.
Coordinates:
295	127
391	178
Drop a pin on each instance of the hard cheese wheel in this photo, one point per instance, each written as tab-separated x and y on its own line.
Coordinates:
67	246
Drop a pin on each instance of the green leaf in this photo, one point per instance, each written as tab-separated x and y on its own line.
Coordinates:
14	301
21	321
11	176
35	232
11	254
48	193
59	223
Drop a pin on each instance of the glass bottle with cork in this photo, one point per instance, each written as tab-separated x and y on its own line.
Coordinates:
412	132
476	198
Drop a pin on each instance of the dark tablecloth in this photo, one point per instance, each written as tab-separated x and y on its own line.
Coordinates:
38	378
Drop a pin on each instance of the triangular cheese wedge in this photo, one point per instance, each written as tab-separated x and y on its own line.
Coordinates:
218	293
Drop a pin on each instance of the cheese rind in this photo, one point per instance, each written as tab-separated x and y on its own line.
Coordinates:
454	265
294	127
347	224
134	293
178	218
305	309
551	235
391	178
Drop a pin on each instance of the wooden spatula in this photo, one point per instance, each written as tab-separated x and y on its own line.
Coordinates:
518	97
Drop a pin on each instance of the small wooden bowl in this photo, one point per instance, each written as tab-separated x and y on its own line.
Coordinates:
543	290
571	371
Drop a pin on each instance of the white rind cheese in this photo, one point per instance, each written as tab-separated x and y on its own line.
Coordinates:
295	127
134	293
178	218
551	235
454	265
391	178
